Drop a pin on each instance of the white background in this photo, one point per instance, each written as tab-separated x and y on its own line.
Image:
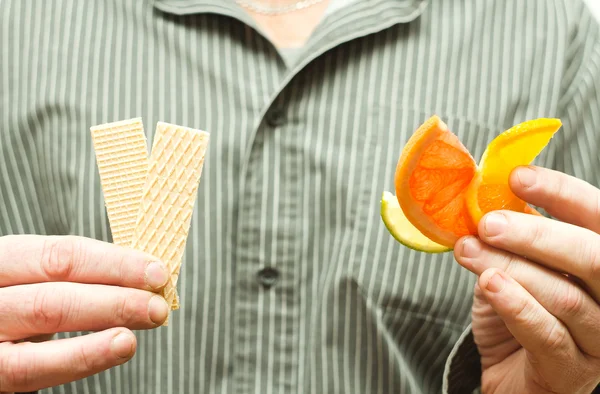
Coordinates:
595	6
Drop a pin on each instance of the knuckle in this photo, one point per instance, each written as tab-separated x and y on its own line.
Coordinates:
59	256
537	234
523	312
512	265
571	301
123	311
49	310
561	188
560	192
14	373
123	265
593	256
555	339
85	360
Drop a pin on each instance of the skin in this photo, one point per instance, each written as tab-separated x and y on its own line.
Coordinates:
536	311
66	284
293	29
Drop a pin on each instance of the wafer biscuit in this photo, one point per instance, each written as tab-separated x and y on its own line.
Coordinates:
168	199
122	157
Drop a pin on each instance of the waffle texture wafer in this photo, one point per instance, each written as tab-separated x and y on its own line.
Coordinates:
168	199
122	157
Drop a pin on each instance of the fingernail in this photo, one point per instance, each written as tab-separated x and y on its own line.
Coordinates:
156	275
496	283
470	248
122	345
158	309
526	177
495	223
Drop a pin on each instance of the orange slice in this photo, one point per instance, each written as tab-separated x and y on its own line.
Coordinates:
432	175
443	193
518	146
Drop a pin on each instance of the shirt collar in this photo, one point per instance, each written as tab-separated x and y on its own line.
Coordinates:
357	19
188	7
229	8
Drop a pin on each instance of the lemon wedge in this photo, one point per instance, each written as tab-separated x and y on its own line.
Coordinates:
403	230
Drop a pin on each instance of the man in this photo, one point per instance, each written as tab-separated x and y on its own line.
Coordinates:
291	283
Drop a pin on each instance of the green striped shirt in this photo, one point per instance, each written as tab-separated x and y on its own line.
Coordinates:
291	283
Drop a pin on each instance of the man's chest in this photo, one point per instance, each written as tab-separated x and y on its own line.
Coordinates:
286	248
297	162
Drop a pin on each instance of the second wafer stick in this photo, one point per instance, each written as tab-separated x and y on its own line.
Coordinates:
169	196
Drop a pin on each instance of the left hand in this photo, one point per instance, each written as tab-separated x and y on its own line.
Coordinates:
536	312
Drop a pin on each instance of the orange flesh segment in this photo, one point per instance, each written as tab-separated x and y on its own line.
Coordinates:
483	198
494	197
432	177
518	146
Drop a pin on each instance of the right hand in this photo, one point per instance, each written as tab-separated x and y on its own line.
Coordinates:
66	284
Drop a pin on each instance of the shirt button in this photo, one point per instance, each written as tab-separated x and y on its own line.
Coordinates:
275	118
267	277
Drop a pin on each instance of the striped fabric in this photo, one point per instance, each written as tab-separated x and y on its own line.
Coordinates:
291	283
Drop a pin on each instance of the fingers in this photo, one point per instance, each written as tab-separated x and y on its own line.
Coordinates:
494	342
33	366
554	292
557	245
30	310
565	197
26	259
542	335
